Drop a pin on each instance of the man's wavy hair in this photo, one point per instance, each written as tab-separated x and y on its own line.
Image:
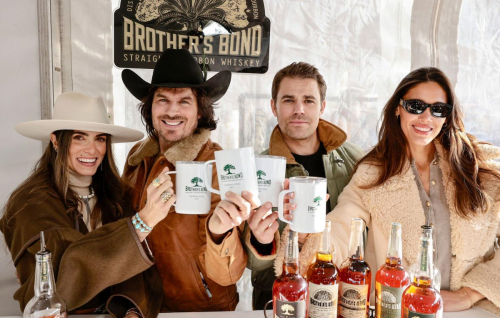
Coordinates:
205	110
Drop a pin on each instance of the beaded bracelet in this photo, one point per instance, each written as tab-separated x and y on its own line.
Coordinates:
140	225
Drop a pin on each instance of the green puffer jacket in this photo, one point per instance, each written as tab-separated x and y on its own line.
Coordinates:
338	163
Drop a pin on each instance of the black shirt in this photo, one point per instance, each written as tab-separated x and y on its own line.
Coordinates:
313	164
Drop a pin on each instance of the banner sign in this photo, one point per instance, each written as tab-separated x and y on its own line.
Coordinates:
229	35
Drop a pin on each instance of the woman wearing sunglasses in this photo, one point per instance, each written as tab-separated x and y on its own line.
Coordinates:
75	195
426	169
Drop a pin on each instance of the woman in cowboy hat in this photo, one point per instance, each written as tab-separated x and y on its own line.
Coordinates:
76	197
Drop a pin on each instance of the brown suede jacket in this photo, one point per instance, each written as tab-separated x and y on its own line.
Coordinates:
105	266
185	254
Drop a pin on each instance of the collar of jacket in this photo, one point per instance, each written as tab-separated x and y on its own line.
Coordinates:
330	135
186	149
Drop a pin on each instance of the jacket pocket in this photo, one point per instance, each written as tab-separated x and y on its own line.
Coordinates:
201	281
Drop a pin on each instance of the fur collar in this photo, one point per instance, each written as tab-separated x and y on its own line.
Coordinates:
185	150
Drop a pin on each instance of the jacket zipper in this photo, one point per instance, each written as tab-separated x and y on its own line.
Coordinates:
205	285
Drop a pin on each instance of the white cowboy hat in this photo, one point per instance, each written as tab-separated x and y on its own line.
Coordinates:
76	111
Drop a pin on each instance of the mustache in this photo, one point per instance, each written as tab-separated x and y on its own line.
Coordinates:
170	118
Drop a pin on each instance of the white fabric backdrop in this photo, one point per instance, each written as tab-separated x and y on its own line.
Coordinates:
363	49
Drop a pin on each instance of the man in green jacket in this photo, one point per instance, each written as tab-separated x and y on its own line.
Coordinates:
311	146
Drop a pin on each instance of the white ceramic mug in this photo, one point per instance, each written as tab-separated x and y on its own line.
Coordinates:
235	171
192	196
310	197
271	172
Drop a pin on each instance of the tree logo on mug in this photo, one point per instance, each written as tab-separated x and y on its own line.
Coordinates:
228	168
195	181
317	200
196	186
260	173
230	175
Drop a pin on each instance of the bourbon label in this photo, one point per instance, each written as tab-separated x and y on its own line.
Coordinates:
290	309
412	314
323	300
388	302
353	300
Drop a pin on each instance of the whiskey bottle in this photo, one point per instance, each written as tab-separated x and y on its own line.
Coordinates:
46	303
323	279
355	277
391	279
290	293
421	299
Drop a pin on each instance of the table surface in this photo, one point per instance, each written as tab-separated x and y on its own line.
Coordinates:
474	312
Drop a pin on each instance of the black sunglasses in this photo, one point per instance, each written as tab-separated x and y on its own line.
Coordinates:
417	107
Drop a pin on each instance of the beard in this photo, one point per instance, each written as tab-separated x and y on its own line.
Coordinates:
174	135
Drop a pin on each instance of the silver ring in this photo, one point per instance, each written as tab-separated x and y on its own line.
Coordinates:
165	196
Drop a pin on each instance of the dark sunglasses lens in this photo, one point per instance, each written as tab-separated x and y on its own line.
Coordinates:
415	106
440	110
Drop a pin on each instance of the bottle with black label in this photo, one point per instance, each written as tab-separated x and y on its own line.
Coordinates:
355	276
46	303
391	279
421	298
290	293
323	279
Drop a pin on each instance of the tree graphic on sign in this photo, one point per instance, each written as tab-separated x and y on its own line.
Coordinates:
228	168
260	173
317	200
192	13
285	308
195	181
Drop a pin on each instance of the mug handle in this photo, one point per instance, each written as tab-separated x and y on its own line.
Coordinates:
205	172
171	172
281	197
265	307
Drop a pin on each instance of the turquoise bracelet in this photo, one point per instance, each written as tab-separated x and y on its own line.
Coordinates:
140	225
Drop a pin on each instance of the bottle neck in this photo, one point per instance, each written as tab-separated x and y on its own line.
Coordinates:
44	275
291	263
324	253
356	242
425	260
395	246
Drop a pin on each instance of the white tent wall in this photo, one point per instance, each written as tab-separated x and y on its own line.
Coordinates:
363	49
19	101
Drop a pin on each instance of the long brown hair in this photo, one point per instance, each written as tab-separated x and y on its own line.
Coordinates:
50	176
461	149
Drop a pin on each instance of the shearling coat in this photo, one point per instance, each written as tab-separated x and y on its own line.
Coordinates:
105	265
474	262
185	254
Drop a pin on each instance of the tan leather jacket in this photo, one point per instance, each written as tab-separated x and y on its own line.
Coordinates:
184	251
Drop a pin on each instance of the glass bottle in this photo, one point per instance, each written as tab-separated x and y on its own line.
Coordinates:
421	299
391	279
355	276
46	303
290	293
323	279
